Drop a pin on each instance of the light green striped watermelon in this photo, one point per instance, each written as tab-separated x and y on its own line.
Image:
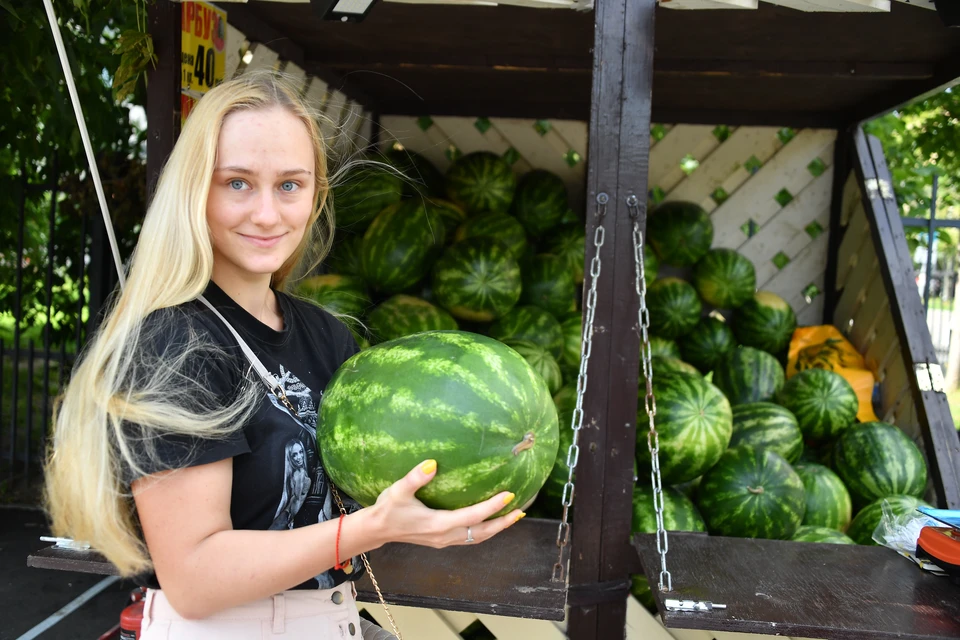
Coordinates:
662	364
421	177
828	501
541	361
823	401
445	214
477	280
823	535
749	375
572	330
481	181
338	294
345	258
674	307
651	264
499	226
664	347
540	201
403	315
752	493
766	321
569	243
707	343
866	521
681	233
532	324
765	425
725	278
876	460
397	247
365	191
469	402
548	284
694	422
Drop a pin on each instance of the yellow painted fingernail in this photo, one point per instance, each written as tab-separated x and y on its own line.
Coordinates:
507	499
428	467
520	517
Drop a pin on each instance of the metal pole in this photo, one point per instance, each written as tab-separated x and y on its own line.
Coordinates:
930	231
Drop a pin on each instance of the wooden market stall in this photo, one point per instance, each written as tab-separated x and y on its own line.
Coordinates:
613	96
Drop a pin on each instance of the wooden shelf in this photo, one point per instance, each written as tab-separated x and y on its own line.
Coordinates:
829	591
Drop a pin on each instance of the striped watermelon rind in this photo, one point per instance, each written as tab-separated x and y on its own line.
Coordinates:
876	459
664	347
694	423
445	217
467	401
662	364
828	501
548	284
477	280
540	201
496	225
866	521
481	181
345	258
748	375
569	243
752	493
338	294
403	315
365	191
572	330
541	360
679	512
766	321
651	264
823	401
680	232
530	323
397	246
823	535
725	278
765	425
420	176
707	343
674	307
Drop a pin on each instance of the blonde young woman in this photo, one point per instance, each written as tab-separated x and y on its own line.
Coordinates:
170	457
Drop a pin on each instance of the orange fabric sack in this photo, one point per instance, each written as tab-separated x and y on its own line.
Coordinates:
824	347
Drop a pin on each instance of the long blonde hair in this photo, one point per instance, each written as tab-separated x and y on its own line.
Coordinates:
117	400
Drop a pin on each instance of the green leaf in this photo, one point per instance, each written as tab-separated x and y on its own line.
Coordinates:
5	4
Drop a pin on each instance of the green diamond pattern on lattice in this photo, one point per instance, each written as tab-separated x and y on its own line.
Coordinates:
424	122
719	195
813	229
689	164
483	124
657	132
657	195
572	158
752	164
784	197
816	167
721	132
453	153
749	228
542	126
786	135
511	155
780	260
810	292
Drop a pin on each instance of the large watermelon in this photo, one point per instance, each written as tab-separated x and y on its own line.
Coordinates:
752	493
651	264
828	501
540	201
823	401
681	233
572	330
663	347
876	459
421	177
338	294
866	521
707	343
529	323
397	247
694	423
551	495
674	307
345	258
445	214
548	284
541	361
403	315
725	278
469	402
477	279
496	225
662	364
364	192
765	321
569	243
748	375
765	425
481	181
824	535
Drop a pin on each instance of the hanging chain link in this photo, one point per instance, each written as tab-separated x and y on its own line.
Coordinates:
649	401
586	346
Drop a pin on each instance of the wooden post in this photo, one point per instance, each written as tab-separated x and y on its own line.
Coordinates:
602	559
163	88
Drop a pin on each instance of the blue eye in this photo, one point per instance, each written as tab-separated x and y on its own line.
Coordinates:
237	184
289	187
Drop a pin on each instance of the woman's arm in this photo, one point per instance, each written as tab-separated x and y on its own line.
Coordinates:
205	566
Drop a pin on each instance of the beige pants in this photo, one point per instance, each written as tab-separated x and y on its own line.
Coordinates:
320	615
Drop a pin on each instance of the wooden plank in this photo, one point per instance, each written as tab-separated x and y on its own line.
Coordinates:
366	129
793	278
499	142
925	4
702	149
461	133
875	304
235	42
855	290
883	345
316	94
505	627
574	133
640	625
847	6
690	634
296	75
163	88
666	156
856	240
414	623
263	57
406	131
778	587
905	417
851	197
841	174
895	385
538	152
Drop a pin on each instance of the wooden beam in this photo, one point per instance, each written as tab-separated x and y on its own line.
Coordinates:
709	4
163	88
835	6
796	119
841	169
946	74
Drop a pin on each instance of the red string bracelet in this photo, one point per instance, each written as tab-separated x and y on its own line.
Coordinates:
336	564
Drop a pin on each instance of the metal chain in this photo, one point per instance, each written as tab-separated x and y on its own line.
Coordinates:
576	422
649	401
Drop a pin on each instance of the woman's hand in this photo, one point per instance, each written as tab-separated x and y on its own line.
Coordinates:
403	518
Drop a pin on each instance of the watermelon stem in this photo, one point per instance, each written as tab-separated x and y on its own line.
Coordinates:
758	491
527	443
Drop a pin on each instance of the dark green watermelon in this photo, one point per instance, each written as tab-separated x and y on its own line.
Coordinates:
828	501
541	360
572	330
403	315
499	226
481	181
651	264
548	284
345	258
338	294
662	364
569	243
765	425
825	535
421	177
694	423
748	375
725	278
707	343
477	280
540	201
681	233
766	321
752	493
866	521
823	401
679	512
445	214
532	324
550	499
876	460
674	307
664	347
364	192
397	247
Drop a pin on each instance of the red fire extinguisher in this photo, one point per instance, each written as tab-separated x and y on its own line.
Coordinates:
132	616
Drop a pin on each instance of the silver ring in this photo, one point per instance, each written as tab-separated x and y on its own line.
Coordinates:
469	535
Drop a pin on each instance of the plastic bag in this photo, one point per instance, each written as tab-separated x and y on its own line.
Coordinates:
824	347
900	533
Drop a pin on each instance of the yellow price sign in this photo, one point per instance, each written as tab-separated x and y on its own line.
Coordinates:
203	55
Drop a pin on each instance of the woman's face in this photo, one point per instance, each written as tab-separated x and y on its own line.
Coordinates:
261	197
298	455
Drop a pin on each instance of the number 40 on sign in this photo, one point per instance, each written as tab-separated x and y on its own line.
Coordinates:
203	47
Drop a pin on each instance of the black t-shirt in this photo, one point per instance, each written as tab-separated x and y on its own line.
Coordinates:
278	476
